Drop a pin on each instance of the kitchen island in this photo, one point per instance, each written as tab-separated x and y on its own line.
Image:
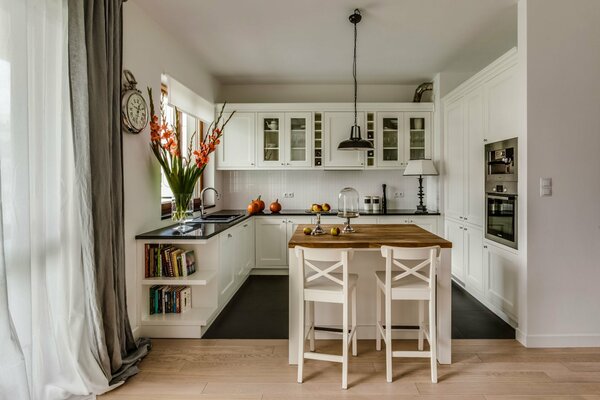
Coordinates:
366	242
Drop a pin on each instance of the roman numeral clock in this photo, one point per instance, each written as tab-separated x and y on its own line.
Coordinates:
134	109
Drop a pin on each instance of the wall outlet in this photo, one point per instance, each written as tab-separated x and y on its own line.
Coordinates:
288	195
398	195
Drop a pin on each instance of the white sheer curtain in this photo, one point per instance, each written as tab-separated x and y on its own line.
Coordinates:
44	337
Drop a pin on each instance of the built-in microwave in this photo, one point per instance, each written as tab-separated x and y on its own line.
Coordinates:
501	161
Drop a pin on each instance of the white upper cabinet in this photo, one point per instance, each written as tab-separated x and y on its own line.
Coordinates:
305	136
417	136
454	122
390	141
336	129
503	106
237	149
271	140
298	139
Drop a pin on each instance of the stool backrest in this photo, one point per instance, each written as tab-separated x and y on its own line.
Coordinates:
420	258
322	263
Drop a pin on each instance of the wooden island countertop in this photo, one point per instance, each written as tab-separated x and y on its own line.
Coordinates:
370	236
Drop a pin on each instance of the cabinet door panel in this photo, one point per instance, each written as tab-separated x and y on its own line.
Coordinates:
502	271
247	247
503	106
237	148
390	140
271	150
474	159
271	242
454	233
453	161
298	139
337	128
227	267
417	136
474	258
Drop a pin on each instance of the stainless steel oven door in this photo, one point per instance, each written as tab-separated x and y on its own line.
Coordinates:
501	219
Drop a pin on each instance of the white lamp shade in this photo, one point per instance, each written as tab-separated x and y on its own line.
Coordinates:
420	167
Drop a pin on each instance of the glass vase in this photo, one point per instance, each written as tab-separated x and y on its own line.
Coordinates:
182	210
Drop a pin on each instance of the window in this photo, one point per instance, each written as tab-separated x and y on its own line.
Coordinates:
189	125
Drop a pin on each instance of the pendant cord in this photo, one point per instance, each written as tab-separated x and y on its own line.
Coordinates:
354	76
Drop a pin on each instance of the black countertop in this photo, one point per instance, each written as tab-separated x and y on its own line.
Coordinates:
203	231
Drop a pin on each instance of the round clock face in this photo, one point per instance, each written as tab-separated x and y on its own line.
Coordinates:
137	112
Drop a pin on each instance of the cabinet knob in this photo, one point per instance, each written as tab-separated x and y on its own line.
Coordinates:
485	247
465	229
283	221
229	235
245	225
466	219
252	163
282	163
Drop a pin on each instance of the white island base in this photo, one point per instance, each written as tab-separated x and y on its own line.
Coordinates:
366	261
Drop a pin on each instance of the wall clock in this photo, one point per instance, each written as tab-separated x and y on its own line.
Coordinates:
134	109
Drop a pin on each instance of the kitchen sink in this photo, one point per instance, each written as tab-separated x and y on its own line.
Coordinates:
218	218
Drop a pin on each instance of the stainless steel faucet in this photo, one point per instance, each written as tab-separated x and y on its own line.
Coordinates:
202	198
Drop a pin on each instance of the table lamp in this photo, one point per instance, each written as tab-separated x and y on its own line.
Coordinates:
420	168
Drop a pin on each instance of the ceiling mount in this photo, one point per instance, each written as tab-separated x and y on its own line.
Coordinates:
355	17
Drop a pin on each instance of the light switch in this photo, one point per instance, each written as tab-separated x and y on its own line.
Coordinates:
545	187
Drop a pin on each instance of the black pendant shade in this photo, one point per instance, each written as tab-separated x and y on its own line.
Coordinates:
356	142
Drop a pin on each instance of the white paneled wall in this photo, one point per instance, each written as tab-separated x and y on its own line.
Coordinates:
239	187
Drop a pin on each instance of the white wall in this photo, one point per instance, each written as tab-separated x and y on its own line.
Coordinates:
239	187
321	93
561	42
149	51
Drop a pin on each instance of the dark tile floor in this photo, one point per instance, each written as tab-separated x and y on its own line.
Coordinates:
259	310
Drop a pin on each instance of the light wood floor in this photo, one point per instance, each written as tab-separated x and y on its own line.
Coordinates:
258	369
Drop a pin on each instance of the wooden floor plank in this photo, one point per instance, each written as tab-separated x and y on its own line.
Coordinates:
258	369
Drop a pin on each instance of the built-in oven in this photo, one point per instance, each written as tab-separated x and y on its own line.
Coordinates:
501	218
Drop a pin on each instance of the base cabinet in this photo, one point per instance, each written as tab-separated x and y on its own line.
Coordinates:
501	278
467	254
272	237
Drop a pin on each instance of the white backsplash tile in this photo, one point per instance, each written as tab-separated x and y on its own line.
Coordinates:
239	187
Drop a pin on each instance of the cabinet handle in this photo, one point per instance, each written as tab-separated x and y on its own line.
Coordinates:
485	247
252	163
465	229
282	163
485	140
466	219
245	225
460	217
229	235
283	221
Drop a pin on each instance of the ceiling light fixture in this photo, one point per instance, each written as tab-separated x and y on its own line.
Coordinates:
356	142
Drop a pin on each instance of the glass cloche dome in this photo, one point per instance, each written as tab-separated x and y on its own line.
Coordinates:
348	203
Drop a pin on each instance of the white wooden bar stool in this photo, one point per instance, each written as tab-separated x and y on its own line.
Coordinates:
415	281
322	284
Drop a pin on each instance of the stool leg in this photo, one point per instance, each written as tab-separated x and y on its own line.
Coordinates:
378	317
300	339
421	323
345	345
433	342
354	344
388	336
311	312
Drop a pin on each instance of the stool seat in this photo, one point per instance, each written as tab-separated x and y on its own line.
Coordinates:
327	290
408	288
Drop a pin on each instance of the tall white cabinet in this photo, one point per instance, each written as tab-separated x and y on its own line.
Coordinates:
483	109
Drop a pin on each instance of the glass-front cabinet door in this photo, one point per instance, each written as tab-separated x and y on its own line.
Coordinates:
390	140
418	136
298	139
270	140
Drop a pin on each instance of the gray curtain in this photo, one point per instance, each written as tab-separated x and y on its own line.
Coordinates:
95	53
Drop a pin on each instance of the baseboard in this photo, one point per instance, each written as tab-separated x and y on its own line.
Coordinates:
569	340
269	271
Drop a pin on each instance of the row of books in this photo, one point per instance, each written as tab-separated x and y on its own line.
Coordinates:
165	260
170	299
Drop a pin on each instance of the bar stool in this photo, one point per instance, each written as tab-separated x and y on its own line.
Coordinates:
410	283
319	283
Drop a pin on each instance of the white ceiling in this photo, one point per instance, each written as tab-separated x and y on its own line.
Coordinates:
310	41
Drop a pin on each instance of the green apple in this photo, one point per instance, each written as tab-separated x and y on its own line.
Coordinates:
307	231
335	231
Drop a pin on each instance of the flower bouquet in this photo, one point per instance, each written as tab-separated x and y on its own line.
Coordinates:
182	172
